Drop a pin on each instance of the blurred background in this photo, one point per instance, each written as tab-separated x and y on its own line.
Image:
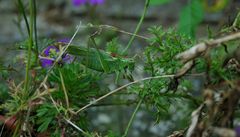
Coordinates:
58	19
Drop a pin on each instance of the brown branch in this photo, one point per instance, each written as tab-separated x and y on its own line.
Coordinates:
218	113
200	48
184	69
173	85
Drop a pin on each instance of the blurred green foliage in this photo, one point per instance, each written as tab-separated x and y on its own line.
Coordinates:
190	17
159	2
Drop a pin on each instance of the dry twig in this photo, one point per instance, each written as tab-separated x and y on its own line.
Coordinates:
200	48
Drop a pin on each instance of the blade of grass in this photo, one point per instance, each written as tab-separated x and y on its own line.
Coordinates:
64	90
138	26
35	29
132	117
21	9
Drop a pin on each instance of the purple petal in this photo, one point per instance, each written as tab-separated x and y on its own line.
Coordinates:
45	63
64	40
237	130
46	51
96	2
68	59
77	3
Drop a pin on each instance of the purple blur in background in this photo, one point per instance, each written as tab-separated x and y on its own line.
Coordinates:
64	40
77	3
237	130
96	2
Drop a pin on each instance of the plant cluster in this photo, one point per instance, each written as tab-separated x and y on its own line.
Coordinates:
63	80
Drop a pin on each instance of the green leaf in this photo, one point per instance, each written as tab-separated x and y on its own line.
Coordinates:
190	17
44	125
41	112
159	2
81	85
45	116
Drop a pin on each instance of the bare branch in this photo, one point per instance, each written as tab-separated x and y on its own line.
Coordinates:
200	48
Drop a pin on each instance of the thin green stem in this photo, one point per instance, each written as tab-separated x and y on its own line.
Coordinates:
21	9
64	90
35	30
138	27
29	52
132	117
15	133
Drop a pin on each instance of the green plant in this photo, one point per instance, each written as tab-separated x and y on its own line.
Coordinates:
56	100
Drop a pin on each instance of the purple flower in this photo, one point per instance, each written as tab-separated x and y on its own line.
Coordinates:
50	54
50	49
45	62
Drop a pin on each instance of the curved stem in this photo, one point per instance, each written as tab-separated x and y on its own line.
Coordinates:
22	10
138	26
132	117
119	89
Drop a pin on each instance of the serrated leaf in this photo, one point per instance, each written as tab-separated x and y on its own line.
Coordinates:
44	125
41	112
